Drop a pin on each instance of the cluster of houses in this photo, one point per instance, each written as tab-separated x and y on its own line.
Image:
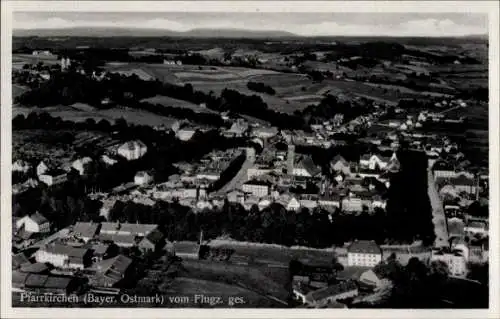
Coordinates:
91	249
51	173
314	286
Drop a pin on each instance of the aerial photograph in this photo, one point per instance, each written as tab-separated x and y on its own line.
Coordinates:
250	160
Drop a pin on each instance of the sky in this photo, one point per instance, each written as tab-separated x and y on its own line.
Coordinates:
305	24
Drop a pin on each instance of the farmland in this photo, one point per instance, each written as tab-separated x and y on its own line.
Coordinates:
77	113
168	101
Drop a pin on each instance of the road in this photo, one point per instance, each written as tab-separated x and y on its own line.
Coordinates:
438	216
242	175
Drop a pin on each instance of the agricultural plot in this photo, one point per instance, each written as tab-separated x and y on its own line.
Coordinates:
138	117
168	101
18	90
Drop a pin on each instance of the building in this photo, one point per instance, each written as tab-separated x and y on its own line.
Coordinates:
85	231
113	271
53	177
43	167
343	290
340	165
305	167
352	204
474	228
364	253
81	164
102	251
44	284
132	150
372	278
455	259
185	133
329	201
142	178
290	159
238	129
373	161
35	223
264	132
64	256
258	170
120	240
127	229
108	160
154	241
21	166
257	188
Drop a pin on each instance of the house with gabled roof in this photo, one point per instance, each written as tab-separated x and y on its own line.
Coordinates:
34	223
85	231
373	161
113	271
343	290
339	164
21	166
81	164
305	167
153	241
64	256
364	253
132	150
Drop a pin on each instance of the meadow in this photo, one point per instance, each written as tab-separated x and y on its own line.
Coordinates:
77	113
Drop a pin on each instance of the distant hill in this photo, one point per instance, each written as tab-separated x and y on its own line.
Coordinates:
135	32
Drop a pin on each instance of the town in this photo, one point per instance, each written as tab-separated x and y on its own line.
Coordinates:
297	173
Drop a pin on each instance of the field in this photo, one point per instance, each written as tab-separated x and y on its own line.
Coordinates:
32	59
18	90
264	254
36	144
259	281
168	101
80	112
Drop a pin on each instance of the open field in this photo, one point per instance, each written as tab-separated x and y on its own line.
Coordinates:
259	279
18	90
77	114
262	253
34	59
168	101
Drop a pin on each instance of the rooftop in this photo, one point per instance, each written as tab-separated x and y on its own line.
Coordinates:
323	293
364	247
70	251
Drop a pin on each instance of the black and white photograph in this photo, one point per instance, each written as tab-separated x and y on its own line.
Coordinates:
249	159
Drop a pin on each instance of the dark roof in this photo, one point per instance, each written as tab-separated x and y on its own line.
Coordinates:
35	268
18	260
85	229
39	218
58	282
338	158
258	182
364	247
35	280
307	163
126	227
118	239
100	249
19	277
154	237
329	291
115	268
66	250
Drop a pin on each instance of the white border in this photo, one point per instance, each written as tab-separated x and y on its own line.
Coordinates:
8	7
